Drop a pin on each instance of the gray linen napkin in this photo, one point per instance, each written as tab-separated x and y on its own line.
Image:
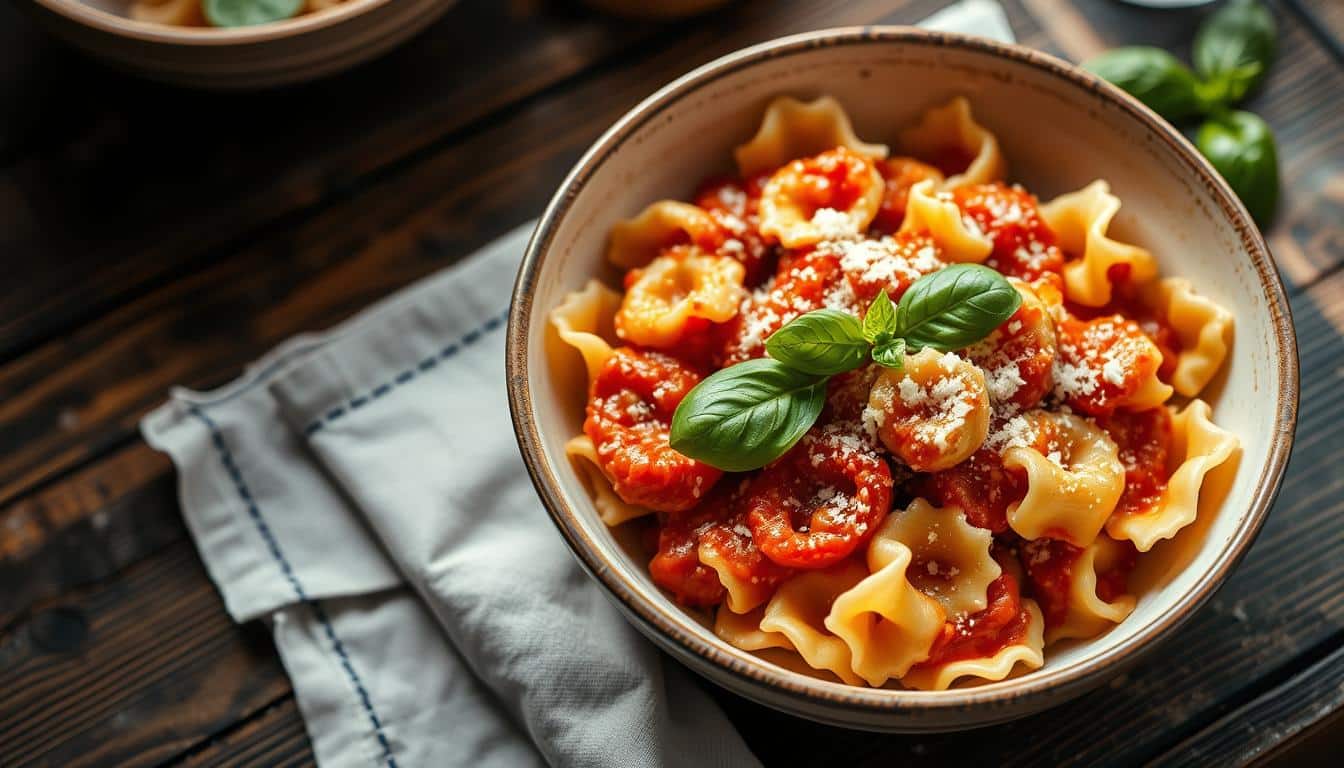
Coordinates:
360	490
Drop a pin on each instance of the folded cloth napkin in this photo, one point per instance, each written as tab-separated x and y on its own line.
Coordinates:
360	490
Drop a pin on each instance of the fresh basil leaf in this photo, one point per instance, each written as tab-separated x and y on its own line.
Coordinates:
244	13
955	307
1234	48
747	415
823	342
890	354
880	323
1241	146
1152	76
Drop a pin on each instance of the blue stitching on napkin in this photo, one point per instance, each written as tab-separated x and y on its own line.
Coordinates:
409	374
267	535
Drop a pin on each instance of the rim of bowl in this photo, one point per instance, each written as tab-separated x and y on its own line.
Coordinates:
150	32
681	627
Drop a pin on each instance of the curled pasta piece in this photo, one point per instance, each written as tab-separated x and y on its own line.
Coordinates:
799	609
949	137
951	560
829	196
1080	221
1082	592
1203	330
638	241
792	129
1073	488
933	413
743	630
611	508
887	623
629	418
684	284
1018	358
935	213
987	646
805	282
584	321
820	501
1198	445
900	174
1107	363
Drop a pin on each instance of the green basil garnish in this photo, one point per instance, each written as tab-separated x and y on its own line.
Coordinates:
1241	146
747	415
955	307
890	354
1234	48
245	13
1152	76
879	324
824	342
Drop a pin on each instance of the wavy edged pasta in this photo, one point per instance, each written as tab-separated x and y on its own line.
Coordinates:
636	242
1200	445
743	594
682	284
1080	220
950	131
799	609
1029	653
611	508
1072	491
792	129
1203	327
584	320
951	557
957	236
792	212
1085	613
888	624
743	630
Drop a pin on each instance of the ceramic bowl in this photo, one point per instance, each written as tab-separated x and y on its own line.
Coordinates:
1060	128
290	51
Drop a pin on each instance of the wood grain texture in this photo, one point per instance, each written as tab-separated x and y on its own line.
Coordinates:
135	182
133	671
395	175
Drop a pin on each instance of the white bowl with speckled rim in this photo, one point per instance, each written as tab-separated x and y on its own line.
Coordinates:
282	52
1060	128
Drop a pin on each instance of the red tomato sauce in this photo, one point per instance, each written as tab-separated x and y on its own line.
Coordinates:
1023	245
1003	623
1144	440
900	174
735	204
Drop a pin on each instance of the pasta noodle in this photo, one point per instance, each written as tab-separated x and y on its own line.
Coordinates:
1039	463
935	213
1080	220
950	138
1203	328
792	129
887	623
1201	446
638	241
1072	489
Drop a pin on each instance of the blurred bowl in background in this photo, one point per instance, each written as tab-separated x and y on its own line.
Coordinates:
283	52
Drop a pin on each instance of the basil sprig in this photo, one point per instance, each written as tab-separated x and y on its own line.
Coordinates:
747	415
1232	52
245	13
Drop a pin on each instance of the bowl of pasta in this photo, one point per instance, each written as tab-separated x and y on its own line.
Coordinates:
235	44
901	380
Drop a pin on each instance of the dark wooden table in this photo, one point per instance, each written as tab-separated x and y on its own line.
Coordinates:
151	236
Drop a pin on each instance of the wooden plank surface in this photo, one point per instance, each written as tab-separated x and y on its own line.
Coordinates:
89	532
